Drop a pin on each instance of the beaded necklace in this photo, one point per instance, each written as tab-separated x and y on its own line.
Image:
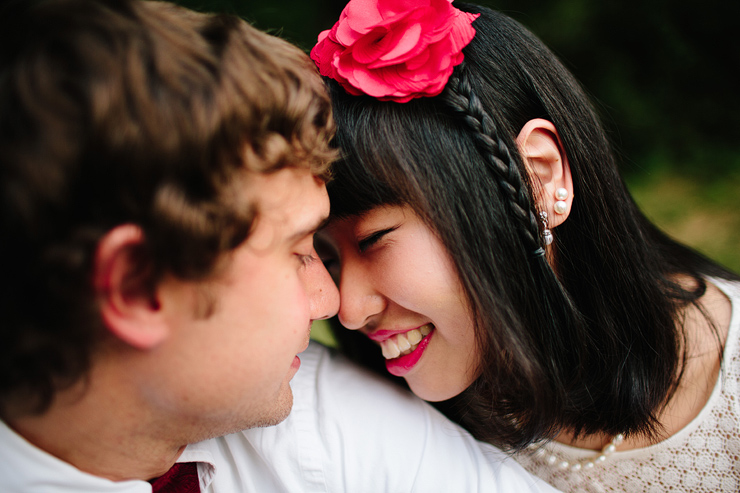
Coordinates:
608	449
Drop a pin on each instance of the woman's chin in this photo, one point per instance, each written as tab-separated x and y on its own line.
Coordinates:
434	393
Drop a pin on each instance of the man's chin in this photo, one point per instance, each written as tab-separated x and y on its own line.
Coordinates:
281	412
278	412
274	416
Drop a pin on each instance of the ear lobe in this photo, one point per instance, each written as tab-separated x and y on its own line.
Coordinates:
540	145
130	311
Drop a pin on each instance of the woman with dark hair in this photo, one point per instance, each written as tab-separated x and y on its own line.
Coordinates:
482	237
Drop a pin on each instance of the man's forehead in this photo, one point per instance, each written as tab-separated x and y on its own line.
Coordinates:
290	204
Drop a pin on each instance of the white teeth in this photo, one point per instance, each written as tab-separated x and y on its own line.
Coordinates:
384	348
390	349
405	343
414	336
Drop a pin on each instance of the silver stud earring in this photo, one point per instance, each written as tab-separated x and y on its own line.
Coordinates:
560	206
546	233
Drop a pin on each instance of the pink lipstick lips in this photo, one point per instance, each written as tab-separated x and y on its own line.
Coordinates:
402	349
403	364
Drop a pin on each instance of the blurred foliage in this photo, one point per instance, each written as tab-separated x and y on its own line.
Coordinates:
704	214
660	73
321	331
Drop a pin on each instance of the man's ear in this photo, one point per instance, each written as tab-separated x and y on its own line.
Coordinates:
547	163
128	305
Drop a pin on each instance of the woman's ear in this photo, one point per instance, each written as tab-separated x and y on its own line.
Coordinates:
547	164
128	305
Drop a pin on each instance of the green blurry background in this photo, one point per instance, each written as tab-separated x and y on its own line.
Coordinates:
663	76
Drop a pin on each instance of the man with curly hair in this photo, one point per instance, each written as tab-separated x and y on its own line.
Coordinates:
162	173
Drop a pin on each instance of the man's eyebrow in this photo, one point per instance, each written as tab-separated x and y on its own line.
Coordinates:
310	230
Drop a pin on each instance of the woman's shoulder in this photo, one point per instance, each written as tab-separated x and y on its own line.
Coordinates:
722	306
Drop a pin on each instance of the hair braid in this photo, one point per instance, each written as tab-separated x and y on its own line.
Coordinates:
460	96
564	335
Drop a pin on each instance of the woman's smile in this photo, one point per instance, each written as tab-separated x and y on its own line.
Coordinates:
402	350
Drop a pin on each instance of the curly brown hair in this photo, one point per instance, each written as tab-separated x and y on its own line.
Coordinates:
115	112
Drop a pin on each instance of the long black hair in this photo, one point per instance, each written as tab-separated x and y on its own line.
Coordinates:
597	348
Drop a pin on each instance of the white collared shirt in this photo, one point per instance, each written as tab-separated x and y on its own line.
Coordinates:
349	431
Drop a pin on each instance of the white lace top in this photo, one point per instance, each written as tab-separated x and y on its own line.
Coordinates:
703	457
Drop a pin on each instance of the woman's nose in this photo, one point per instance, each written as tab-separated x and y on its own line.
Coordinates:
359	300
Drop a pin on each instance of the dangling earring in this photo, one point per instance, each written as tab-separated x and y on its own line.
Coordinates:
546	233
561	194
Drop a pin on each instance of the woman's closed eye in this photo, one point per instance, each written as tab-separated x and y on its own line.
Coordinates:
368	241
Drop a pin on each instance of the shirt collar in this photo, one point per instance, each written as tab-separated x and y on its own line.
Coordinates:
202	455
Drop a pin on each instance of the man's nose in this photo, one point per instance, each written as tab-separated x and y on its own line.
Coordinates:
323	294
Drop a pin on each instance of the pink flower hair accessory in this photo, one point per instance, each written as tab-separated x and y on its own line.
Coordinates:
394	50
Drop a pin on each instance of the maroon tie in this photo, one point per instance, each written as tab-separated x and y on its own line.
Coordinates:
181	478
